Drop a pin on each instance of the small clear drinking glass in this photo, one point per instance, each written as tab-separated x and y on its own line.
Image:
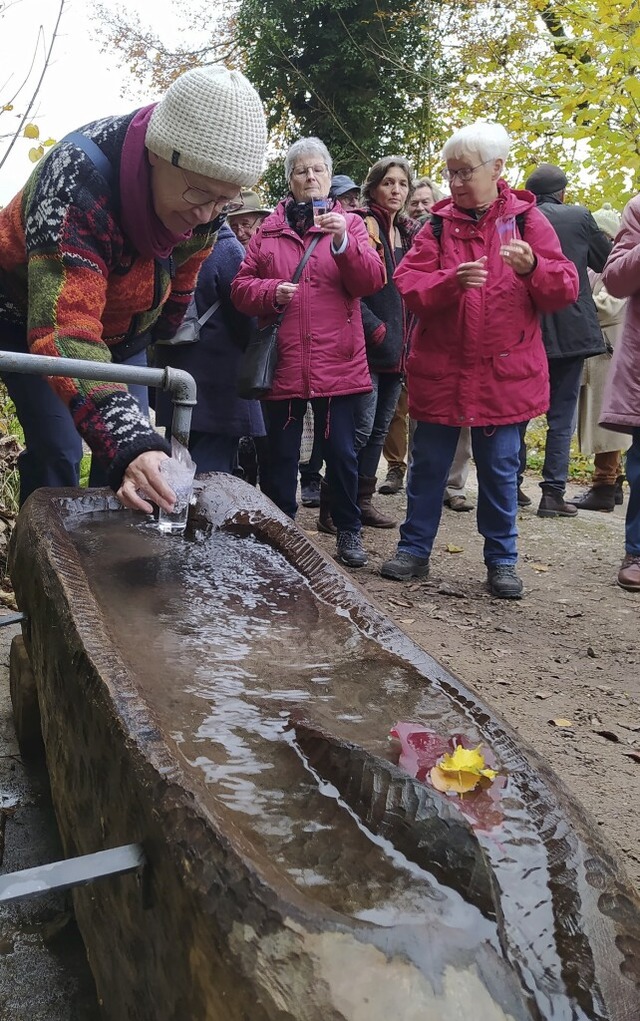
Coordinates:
320	208
506	227
180	478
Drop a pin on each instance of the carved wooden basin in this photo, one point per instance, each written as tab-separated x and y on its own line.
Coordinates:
225	700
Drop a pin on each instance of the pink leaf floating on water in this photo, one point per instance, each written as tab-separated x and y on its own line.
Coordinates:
420	751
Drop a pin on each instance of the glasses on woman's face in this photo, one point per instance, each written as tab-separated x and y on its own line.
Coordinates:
198	197
317	169
464	174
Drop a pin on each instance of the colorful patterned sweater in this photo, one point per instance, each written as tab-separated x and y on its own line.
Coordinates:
72	285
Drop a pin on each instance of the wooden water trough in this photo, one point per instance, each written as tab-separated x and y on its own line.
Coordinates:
224	700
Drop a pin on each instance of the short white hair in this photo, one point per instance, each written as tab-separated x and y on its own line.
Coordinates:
484	139
312	148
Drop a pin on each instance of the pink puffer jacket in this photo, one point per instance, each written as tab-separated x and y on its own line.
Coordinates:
321	348
477	357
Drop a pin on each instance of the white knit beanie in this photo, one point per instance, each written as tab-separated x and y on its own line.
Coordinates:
608	219
211	121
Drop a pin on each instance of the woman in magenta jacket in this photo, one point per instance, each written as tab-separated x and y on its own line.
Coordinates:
321	348
477	357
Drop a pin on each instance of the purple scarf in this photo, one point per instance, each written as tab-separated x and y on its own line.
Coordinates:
146	232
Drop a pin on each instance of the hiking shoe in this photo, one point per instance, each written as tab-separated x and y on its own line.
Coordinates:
503	582
393	482
619	497
404	566
629	573
523	499
553	505
349	549
597	498
458	503
310	493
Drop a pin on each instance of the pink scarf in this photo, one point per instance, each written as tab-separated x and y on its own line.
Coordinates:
139	222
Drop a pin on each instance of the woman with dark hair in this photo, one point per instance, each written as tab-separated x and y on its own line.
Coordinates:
321	348
386	191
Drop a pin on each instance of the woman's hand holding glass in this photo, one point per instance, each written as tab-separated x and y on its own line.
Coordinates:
333	223
519	255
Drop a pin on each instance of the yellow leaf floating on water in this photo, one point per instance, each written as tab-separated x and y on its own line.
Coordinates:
450	548
462	771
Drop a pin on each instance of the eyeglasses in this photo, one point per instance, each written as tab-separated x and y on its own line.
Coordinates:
464	174
316	169
197	197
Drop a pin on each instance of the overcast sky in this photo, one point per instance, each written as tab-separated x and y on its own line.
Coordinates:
81	83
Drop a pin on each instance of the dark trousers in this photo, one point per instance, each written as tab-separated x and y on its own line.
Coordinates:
565	375
213	452
284	432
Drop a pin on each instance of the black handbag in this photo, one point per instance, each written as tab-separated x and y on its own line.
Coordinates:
258	365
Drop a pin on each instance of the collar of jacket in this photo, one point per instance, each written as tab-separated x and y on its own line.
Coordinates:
548	198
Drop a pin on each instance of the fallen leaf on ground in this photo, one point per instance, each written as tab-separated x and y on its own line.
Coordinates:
561	722
539	567
450	548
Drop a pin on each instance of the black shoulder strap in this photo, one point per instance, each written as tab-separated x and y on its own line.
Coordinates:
520	222
305	258
94	152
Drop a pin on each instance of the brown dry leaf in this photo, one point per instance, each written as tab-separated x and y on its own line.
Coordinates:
539	567
450	548
561	722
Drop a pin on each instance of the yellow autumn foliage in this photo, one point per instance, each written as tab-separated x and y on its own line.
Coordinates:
461	771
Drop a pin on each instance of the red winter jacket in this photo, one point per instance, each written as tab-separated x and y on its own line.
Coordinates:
477	357
321	348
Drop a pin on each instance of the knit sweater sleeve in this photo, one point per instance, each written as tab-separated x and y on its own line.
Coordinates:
72	240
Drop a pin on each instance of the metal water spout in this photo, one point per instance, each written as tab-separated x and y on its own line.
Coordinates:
180	384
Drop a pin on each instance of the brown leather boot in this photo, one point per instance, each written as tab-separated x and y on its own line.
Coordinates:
629	573
325	521
596	498
370	515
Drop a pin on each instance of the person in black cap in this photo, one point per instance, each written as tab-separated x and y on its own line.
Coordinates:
345	189
570	335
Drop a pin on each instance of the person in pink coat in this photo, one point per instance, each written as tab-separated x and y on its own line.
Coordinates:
321	346
621	401
477	277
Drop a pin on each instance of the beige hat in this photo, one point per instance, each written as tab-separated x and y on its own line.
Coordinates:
211	121
608	219
251	203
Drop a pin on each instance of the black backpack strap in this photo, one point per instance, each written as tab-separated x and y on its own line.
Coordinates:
436	225
94	152
520	222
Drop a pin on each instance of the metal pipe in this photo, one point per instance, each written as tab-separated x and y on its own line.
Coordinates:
180	384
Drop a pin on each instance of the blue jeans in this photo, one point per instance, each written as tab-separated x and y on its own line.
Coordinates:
375	413
565	376
632	522
283	420
496	452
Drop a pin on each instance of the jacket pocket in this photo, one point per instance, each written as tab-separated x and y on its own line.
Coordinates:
520	362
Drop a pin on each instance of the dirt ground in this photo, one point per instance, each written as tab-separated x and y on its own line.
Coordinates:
567	651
